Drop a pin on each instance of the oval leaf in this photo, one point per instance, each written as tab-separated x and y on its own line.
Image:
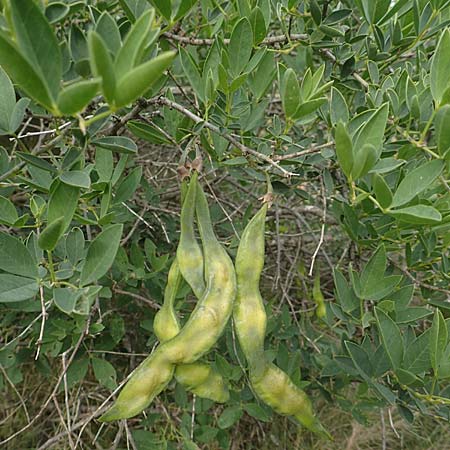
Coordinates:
101	254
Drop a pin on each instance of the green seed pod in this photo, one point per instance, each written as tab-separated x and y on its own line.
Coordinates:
200	332
269	382
198	378
165	324
189	253
321	309
147	381
203	381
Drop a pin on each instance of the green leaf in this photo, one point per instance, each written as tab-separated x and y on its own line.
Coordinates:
257	411
411	314
344	149
131	51
147	132
16	289
258	24
439	67
50	236
374	285
104	373
183	9
102	65
387	165
104	164
307	108
18	114
65	299
129	185
417	181
391	337
338	107
405	377
372	131
75	245
36	161
229	416
37	42
360	359
16	258
56	11
418	214
164	7
290	94
344	294
101	254
136	82
365	158
417	354
192	73
442	122
8	102
63	203
119	144
438	340
74	98
382	191
8	212
108	29
240	47
23	73
76	178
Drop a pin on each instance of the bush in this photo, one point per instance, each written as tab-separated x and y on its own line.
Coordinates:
107	106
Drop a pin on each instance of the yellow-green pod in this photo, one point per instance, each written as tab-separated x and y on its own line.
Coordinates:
269	382
321	309
197	377
201	331
189	253
147	381
203	380
166	324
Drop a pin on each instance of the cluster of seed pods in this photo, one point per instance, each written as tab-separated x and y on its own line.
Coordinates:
222	290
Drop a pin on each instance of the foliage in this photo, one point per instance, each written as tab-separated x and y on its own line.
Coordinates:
345	104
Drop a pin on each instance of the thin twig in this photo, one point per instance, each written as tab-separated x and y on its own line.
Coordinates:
383	430
137	215
100	408
194	397
322	230
23	333
271	40
44	315
391	422
66	426
55	389
307	151
138	297
24	406
215	129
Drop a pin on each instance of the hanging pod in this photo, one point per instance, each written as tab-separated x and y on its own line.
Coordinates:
201	331
270	383
198	377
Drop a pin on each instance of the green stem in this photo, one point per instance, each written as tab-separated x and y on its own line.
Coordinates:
85	123
427	127
51	268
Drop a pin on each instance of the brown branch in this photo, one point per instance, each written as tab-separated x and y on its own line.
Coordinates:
215	129
271	40
138	297
307	151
